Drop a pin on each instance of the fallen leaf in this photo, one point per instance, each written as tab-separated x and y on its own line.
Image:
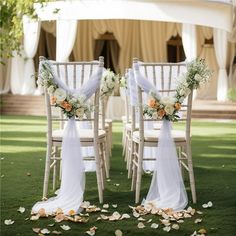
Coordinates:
45	231
141	225
21	209
36	230
175	226
154	225
65	227
167	228
198	220
118	232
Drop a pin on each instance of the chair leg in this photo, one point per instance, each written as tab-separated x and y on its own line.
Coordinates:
106	160
191	173
98	173
54	170
130	159
47	170
123	141
139	173
103	171
134	169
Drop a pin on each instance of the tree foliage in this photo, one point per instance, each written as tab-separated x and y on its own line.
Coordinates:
11	26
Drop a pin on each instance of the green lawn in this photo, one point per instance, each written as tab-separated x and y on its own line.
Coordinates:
23	151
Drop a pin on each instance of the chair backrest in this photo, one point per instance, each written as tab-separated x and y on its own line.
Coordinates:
164	76
74	75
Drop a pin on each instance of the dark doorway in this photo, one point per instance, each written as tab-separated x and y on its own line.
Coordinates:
175	50
108	47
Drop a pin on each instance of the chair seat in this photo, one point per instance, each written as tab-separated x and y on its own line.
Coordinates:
153	135
86	135
128	126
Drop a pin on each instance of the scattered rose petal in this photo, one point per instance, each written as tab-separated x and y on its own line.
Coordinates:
116	215
180	221
131	207
51	225
198	220
104	211
167	228
104	217
42	213
91	231
194	233
65	227
141	219
21	209
71	212
27	218
28	174
85	204
200	212
117	185
205	206
2	176
141	225
165	222
105	206
56	232
36	230
136	214
99	218
125	216
108	180
35	217
118	232
41	234
175	226
149	221
187	215
210	204
2	158
202	231
9	222
59	217
154	225
114	205
86	215
45	231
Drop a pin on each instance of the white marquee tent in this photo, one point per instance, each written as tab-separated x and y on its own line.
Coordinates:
218	15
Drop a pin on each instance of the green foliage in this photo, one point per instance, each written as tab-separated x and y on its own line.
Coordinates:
232	94
11	27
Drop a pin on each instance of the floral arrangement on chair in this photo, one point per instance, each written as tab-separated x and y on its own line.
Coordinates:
109	81
168	107
123	82
72	105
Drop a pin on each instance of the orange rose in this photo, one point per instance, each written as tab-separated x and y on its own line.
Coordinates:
152	103
71	212
177	105
53	100
63	104
161	113
68	107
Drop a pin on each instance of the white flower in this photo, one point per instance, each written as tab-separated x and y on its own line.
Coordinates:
110	84
169	109
60	94
181	99
184	92
198	77
154	115
51	90
104	88
167	100
80	113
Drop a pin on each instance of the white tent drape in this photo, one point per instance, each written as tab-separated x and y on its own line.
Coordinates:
189	39
31	38
66	34
16	73
220	43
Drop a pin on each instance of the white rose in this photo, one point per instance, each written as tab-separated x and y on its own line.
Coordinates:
60	94
110	84
167	100
154	115
80	113
169	109
51	90
184	92
181	99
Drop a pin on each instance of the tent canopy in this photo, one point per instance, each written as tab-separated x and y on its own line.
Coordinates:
217	14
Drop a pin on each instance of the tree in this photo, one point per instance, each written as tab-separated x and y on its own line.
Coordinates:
11	26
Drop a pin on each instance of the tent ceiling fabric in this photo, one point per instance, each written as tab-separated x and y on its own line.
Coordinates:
217	14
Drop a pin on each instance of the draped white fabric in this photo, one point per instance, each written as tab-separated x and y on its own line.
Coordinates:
31	38
167	189
190	44
71	191
220	43
16	73
66	33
